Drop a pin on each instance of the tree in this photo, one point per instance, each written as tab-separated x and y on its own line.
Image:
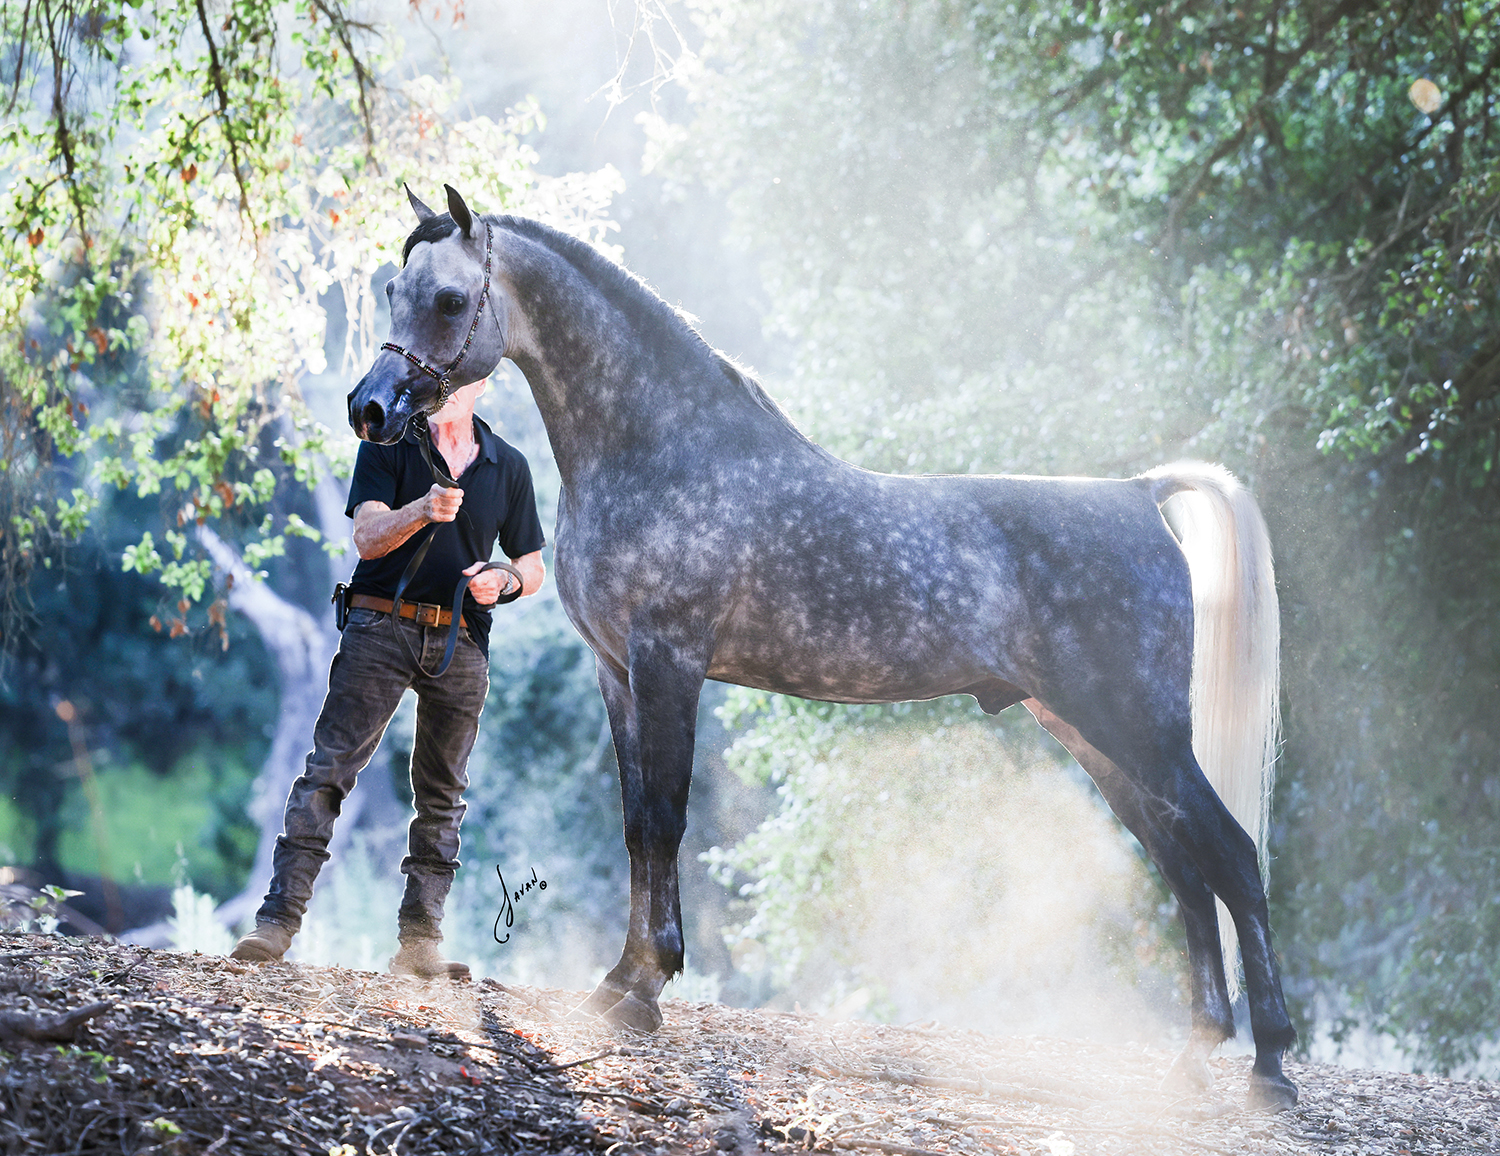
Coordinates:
190	186
200	189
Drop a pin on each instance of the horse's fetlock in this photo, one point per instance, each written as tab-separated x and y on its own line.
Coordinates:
1274	1040
669	950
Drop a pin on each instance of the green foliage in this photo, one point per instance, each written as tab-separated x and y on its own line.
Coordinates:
178	221
1389	796
43	918
975	219
186	824
173	726
158	173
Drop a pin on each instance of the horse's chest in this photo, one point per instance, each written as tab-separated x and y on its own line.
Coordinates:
617	559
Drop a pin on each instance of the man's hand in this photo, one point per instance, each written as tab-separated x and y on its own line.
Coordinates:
440	504
490	585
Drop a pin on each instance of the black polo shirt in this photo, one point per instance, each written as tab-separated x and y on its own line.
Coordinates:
498	506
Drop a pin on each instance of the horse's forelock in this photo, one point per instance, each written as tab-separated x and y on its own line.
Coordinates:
433	229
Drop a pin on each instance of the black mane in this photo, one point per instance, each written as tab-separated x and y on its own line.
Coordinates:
639	302
622	288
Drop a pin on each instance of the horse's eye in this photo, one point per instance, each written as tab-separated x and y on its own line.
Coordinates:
390	287
450	304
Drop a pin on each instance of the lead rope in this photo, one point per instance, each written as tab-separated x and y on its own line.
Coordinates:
443	478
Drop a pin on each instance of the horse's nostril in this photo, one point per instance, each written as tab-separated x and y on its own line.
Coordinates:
372	415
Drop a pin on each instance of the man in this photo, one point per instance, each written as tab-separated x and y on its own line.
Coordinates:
392	498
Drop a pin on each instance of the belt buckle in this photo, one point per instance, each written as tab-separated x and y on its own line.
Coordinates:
428	614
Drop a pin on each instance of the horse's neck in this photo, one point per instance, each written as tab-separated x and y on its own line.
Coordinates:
608	391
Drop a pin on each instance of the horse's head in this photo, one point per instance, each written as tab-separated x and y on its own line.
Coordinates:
447	327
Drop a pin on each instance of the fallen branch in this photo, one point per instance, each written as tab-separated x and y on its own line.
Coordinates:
564	1067
882	1146
58	1028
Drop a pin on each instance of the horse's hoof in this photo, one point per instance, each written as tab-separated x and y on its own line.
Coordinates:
1271	1093
1189	1075
600	1000
634	1012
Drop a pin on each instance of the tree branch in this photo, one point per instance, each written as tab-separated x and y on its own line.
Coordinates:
59	112
292	634
58	1028
342	25
1278	71
303	648
216	73
15	87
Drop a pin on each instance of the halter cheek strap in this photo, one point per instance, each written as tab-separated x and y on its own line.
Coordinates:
444	376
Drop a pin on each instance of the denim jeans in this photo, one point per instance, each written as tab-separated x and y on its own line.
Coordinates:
371	670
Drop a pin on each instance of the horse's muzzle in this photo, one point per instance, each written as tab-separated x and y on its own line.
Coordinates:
386	398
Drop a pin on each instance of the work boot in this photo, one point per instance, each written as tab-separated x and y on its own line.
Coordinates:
266	944
420	957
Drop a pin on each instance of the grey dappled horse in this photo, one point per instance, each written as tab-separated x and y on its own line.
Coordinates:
701	535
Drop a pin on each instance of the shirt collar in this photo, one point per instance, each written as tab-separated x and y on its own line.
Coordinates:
489	440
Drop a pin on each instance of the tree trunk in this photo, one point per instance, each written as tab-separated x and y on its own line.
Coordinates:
303	647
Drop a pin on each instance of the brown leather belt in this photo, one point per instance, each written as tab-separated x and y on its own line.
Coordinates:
424	613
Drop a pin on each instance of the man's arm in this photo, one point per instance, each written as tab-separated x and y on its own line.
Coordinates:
491	584
378	529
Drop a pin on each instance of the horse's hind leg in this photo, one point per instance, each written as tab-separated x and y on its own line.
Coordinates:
1225	855
653	716
1213	1017
1196	829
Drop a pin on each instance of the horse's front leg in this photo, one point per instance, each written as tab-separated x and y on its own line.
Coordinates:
653	711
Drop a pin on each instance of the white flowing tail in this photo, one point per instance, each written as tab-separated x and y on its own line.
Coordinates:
1236	687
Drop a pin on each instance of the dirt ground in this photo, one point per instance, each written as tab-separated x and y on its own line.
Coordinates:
174	1053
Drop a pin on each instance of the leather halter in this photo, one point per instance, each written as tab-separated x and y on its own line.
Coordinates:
445	376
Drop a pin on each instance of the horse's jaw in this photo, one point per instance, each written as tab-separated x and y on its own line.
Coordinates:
387	398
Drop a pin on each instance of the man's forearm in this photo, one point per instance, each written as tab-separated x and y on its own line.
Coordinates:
380	530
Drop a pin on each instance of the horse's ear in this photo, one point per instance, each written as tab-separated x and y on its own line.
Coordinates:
460	211
422	211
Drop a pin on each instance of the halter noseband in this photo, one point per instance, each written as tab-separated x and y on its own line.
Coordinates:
444	376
